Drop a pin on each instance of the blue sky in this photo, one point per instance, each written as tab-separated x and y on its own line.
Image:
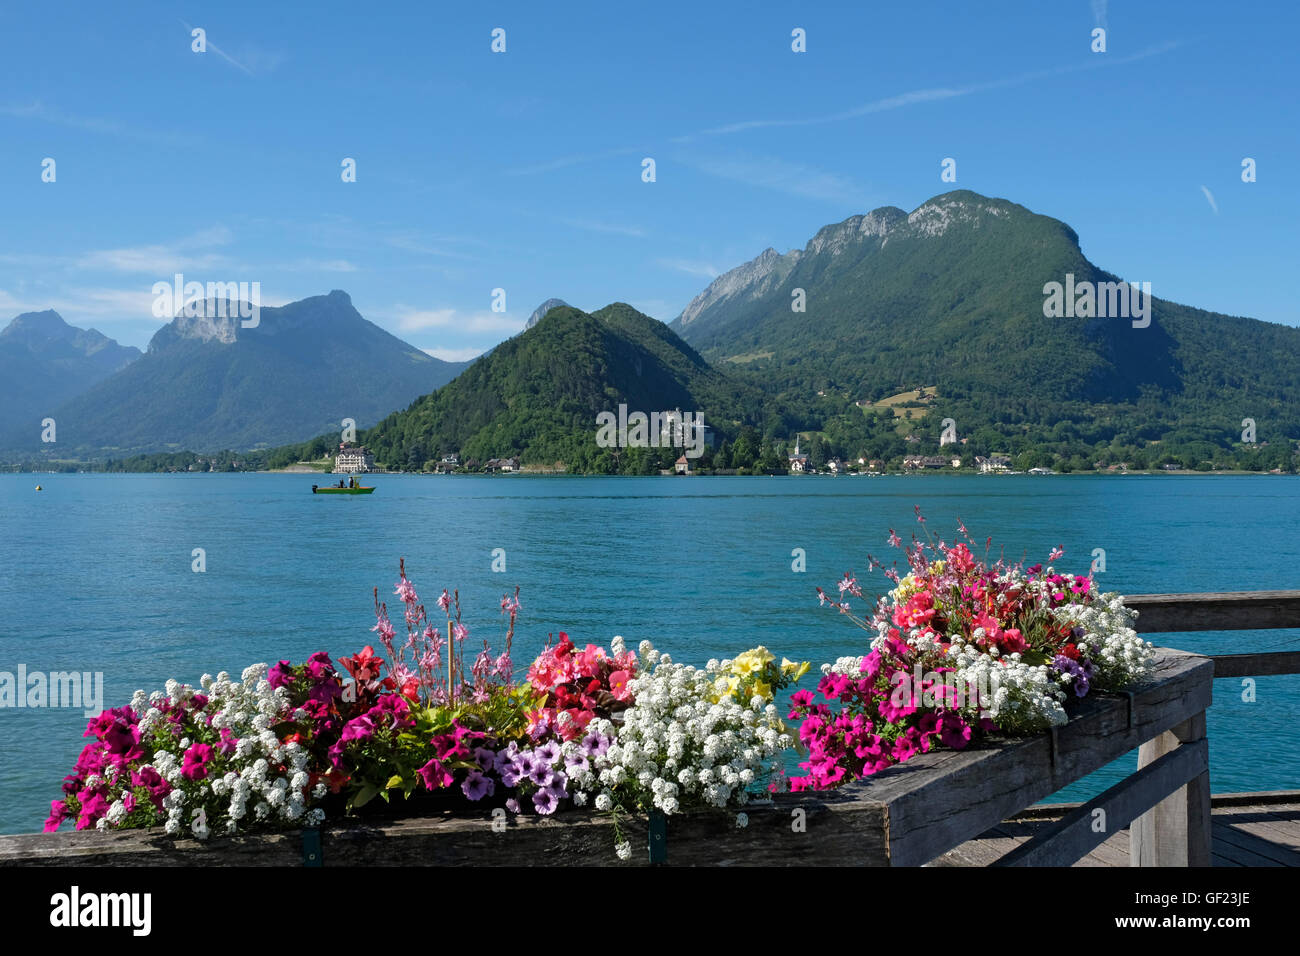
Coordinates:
522	170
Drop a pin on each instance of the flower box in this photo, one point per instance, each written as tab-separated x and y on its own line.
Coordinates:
906	815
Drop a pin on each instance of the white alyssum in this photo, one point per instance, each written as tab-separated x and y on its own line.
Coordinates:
677	746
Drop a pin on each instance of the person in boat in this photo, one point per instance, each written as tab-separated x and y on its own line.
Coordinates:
341	483
313	489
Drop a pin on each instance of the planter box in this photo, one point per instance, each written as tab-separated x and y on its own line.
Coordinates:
904	816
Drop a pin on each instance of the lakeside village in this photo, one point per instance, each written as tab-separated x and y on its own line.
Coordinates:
681	444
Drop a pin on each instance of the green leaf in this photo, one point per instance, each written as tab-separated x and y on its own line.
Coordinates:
364	795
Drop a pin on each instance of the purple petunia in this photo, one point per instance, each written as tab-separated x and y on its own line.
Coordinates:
477	786
576	763
540	773
1081	673
545	801
595	743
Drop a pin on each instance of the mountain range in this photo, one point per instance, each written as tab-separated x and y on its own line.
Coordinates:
864	340
44	362
952	295
207	383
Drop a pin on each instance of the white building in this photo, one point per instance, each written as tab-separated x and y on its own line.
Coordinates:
992	464
353	459
798	462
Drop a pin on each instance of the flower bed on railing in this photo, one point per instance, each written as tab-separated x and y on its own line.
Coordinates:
962	647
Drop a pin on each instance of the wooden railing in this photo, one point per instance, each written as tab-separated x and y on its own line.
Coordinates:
1167	801
907	815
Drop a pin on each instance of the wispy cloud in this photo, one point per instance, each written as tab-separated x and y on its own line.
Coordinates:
431	246
572	160
885	104
191	252
454	355
39	111
412	320
691	267
316	265
107	305
1099	11
914	97
795	179
1209	197
611	228
253	61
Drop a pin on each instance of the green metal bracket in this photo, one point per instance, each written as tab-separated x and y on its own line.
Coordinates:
311	851
658	838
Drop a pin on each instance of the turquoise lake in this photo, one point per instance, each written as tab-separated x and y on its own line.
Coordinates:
97	575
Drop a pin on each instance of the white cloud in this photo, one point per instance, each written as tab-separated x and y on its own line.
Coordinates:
189	253
796	179
106	304
572	160
454	355
913	97
317	265
691	267
1209	197
93	124
612	228
252	60
412	320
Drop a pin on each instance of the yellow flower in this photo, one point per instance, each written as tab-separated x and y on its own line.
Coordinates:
752	661
763	690
724	687
792	670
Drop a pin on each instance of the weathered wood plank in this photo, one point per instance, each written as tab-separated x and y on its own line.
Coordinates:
1222	611
1273	830
832	829
1263	848
984	786
1073	836
907	815
1240	855
1176	832
1256	665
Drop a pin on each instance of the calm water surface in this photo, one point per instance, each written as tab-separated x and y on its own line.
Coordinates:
97	575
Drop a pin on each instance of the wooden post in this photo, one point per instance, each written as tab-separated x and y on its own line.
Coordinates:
1176	831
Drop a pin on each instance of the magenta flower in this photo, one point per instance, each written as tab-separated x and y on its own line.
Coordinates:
194	765
435	775
280	675
93	806
58	813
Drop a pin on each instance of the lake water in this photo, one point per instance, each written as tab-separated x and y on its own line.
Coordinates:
97	575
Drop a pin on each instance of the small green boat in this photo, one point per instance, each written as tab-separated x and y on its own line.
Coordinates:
335	490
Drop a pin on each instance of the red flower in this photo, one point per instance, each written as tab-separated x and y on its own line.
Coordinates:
363	666
1070	651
